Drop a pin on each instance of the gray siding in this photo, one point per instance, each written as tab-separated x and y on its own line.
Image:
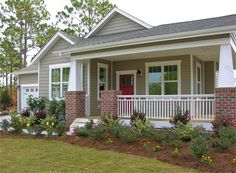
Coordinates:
47	60
209	76
28	79
140	64
94	103
117	24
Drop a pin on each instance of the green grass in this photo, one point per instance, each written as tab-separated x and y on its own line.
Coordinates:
33	155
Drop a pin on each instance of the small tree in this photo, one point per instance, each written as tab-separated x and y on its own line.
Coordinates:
5	100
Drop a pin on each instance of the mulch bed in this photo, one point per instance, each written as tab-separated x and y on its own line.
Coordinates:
222	161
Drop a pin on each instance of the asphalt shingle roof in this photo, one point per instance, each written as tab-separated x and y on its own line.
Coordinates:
160	30
30	68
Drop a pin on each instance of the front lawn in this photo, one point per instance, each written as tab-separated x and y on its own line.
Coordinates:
34	155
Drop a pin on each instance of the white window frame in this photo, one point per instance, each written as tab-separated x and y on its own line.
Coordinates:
162	64
57	66
198	65
100	65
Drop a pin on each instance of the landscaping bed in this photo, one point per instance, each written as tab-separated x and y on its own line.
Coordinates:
222	161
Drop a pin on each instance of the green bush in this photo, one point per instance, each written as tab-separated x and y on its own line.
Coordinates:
36	104
60	128
137	115
168	137
57	108
114	126
16	123
5	99
128	134
82	131
144	128
199	146
180	117
184	131
227	137
89	125
4	124
37	128
98	132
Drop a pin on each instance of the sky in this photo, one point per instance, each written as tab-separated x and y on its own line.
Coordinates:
156	12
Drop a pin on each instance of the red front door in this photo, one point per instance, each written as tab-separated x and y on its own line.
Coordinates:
127	84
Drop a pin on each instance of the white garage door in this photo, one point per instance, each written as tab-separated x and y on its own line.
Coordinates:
26	92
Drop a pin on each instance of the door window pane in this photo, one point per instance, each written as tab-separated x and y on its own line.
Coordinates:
64	88
171	88
65	74
102	74
56	75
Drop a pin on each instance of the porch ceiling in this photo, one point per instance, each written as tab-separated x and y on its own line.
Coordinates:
207	53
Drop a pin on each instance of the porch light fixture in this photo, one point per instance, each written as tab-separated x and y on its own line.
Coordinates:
139	72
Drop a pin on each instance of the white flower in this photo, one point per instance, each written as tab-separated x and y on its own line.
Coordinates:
47	123
28	125
52	124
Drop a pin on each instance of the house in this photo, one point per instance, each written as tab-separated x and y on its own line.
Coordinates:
124	65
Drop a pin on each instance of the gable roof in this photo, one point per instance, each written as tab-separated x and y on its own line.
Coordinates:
33	68
210	26
110	15
70	39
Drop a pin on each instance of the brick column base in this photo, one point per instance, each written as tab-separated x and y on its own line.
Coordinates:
109	102
226	102
75	105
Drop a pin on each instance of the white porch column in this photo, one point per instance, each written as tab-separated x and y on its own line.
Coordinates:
226	70
76	76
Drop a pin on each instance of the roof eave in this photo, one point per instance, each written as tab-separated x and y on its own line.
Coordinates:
25	72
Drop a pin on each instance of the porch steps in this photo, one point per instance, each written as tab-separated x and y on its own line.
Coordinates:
80	122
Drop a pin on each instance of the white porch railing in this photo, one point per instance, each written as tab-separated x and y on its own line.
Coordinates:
200	107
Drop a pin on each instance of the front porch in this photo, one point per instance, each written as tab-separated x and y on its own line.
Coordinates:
156	82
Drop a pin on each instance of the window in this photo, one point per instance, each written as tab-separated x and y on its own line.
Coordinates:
59	79
102	78
163	78
198	79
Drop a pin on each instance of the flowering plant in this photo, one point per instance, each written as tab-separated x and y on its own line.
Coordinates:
156	148
180	116
206	160
222	120
49	124
109	141
234	161
175	152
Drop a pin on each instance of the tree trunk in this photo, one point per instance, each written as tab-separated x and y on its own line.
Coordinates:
21	44
25	45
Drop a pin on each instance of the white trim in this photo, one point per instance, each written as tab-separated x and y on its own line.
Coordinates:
124	72
198	65
203	77
163	63
54	66
152	49
50	43
191	74
29	85
108	17
25	72
215	74
106	66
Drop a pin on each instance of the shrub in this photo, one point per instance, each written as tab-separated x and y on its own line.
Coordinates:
106	118
39	116
25	113
29	122
37	128
199	146
60	128
114	126
89	125
144	128
36	104
156	148
128	134
81	131
98	132
57	108
222	120
5	99
227	137
206	160
184	131
168	137
16	123
4	124
180	117
49	125
175	152
135	116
